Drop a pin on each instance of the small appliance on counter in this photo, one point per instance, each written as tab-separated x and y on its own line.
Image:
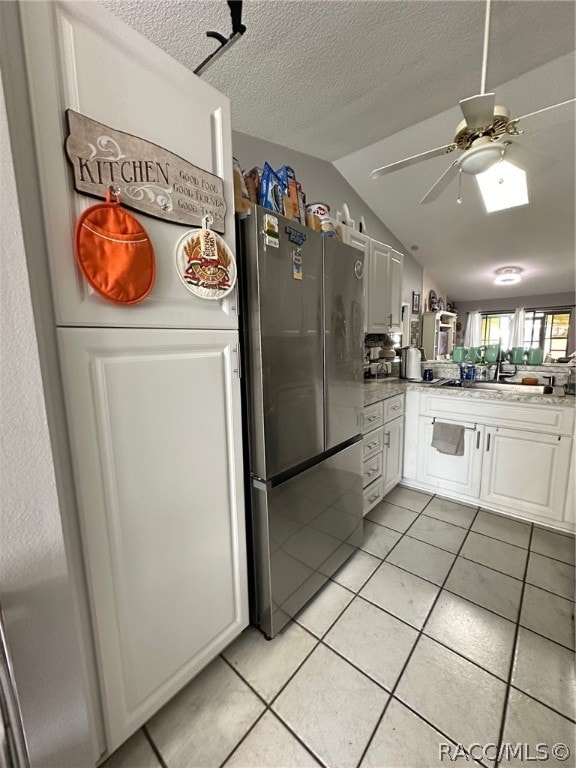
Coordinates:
410	367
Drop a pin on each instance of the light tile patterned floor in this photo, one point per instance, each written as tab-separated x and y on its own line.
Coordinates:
452	625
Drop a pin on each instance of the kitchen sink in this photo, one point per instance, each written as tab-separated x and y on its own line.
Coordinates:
501	386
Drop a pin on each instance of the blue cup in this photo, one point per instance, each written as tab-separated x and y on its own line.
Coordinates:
428	374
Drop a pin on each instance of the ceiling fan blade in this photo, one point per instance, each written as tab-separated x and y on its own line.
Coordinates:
412	160
543	118
478	110
442	183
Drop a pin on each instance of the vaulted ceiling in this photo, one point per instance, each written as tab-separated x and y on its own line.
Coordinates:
368	82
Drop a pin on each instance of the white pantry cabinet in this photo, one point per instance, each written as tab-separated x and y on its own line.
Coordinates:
155	433
383	270
153	407
82	58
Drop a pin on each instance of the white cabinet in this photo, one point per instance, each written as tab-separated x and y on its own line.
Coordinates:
441	471
384	308
517	456
155	432
526	471
393	452
438	333
383	271
153	415
383	447
81	58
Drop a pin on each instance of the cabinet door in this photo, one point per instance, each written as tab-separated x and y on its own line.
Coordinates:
395	272
393	450
526	471
154	421
362	243
460	474
378	309
81	57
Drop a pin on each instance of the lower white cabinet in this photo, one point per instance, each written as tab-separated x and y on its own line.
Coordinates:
459	474
526	471
154	423
519	471
383	448
393	452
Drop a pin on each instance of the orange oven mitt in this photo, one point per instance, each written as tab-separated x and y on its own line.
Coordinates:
114	252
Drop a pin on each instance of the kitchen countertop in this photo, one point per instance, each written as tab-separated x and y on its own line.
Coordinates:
381	389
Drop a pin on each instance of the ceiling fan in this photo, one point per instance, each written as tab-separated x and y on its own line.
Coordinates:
484	136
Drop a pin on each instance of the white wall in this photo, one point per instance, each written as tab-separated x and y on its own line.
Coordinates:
37	594
322	182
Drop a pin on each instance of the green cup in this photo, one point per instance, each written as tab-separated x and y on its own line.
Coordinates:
535	356
517	355
459	354
491	353
475	354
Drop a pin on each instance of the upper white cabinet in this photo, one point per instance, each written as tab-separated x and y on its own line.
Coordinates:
111	74
382	283
156	442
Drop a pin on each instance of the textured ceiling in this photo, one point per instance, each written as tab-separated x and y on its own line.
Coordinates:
365	83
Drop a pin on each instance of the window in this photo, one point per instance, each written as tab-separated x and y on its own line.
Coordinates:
544	328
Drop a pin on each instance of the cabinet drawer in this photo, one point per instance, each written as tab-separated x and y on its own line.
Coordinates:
553	419
372	442
393	407
373	493
373	468
373	417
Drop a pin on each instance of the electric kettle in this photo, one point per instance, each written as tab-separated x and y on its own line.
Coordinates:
410	367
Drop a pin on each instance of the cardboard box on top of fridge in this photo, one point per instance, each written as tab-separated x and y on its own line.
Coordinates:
271	190
287	176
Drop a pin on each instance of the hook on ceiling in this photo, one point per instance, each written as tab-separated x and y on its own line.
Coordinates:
238	30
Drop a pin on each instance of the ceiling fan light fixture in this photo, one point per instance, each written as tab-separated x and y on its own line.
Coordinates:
508	276
480	157
503	186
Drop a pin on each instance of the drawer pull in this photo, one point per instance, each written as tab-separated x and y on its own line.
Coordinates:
372	418
387	436
371	471
373	498
396	407
372	445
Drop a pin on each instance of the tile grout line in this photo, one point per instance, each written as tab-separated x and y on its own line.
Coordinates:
420	633
513	658
268	705
155	749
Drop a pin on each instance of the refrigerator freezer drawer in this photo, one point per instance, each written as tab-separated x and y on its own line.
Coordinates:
304	530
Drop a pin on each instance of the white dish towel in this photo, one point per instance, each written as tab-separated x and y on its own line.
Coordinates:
448	438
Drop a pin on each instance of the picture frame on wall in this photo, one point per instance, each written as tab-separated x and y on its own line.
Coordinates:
415	303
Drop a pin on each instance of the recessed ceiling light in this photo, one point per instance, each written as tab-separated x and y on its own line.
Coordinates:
508	276
413	247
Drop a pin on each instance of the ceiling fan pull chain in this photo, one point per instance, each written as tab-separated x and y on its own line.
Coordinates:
459	198
485	51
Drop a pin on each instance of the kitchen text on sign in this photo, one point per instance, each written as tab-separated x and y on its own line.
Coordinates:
149	178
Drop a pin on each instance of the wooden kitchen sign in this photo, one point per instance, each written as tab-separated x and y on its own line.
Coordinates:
147	178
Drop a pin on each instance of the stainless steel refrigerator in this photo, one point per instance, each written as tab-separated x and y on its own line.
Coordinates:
302	353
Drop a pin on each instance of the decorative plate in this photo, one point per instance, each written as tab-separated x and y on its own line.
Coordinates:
205	264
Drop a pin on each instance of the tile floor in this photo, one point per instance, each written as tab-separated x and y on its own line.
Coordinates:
451	625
